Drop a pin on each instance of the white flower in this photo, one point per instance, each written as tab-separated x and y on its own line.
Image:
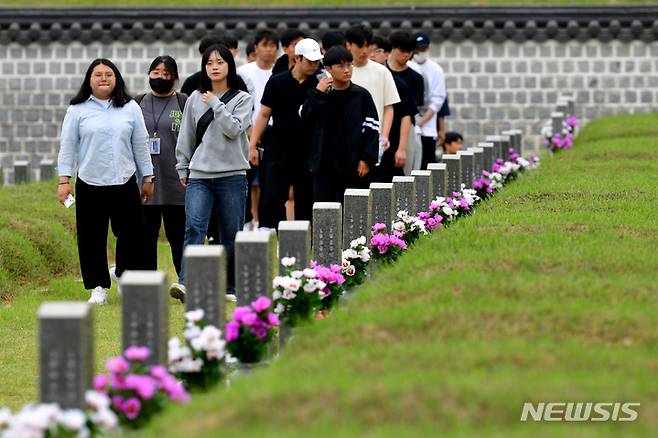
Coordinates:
310	286
447	210
361	240
194	315
280	281
365	255
216	349
345	263
105	419
279	309
97	400
350	254
198	344
173	343
73	419
5	418
320	284
351	271
288	294
297	274
310	273
192	332
354	244
276	294
398	226
211	333
402	214
288	261
293	284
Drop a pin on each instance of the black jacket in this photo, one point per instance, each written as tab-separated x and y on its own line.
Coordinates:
362	128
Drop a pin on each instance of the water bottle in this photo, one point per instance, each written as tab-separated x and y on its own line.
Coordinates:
382	148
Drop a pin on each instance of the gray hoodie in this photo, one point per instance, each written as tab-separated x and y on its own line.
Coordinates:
224	148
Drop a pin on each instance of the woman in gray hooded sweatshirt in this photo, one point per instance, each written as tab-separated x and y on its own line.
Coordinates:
213	164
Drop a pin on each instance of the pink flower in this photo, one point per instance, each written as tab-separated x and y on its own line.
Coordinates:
117	365
239	313
249	319
131	408
273	319
175	390
100	382
159	372
135	353
261	304
382	249
232	331
143	385
378	227
117	401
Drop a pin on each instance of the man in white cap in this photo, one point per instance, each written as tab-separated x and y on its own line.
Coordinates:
286	157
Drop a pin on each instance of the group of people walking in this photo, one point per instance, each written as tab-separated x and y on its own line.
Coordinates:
257	144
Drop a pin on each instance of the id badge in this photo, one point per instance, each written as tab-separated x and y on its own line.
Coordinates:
154	145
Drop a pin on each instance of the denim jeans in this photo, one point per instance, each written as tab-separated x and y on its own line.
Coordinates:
230	195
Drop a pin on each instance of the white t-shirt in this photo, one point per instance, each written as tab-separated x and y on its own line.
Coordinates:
435	92
255	78
379	82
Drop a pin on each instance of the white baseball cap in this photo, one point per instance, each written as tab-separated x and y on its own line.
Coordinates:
309	49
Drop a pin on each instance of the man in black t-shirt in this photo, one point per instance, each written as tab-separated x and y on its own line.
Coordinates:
345	127
286	157
396	155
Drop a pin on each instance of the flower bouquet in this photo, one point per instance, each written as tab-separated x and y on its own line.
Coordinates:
333	282
297	294
355	262
138	391
199	361
408	228
251	330
49	420
385	247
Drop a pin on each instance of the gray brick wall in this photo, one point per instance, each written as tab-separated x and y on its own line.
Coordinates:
492	86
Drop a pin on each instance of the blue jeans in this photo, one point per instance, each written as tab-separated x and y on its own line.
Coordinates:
230	195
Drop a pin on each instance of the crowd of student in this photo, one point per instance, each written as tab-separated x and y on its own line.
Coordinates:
254	145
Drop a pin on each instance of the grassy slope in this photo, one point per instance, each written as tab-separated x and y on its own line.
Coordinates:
279	3
548	293
39	262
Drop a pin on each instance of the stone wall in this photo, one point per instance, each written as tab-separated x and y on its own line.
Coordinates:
492	85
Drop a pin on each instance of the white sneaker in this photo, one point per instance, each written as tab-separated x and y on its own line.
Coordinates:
113	274
178	291
231	298
249	226
98	296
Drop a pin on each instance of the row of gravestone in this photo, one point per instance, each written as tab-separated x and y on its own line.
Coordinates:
23	171
66	328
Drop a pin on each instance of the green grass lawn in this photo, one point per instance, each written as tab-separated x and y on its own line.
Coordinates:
291	3
548	293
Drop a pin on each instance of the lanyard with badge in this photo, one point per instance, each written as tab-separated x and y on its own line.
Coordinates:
154	141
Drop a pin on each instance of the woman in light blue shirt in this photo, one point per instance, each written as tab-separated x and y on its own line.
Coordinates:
104	133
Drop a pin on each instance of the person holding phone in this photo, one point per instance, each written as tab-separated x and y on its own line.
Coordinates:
286	156
104	131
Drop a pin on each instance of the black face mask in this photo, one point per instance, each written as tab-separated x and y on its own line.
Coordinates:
160	85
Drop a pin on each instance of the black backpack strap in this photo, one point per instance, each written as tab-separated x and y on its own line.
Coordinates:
139	98
182	98
207	117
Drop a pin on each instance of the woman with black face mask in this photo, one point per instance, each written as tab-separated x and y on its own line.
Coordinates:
163	109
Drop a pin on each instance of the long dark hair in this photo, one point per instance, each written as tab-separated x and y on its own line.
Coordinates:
227	56
120	94
169	64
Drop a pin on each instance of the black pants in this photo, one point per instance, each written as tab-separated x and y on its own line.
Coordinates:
96	207
274	194
330	186
173	217
429	151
